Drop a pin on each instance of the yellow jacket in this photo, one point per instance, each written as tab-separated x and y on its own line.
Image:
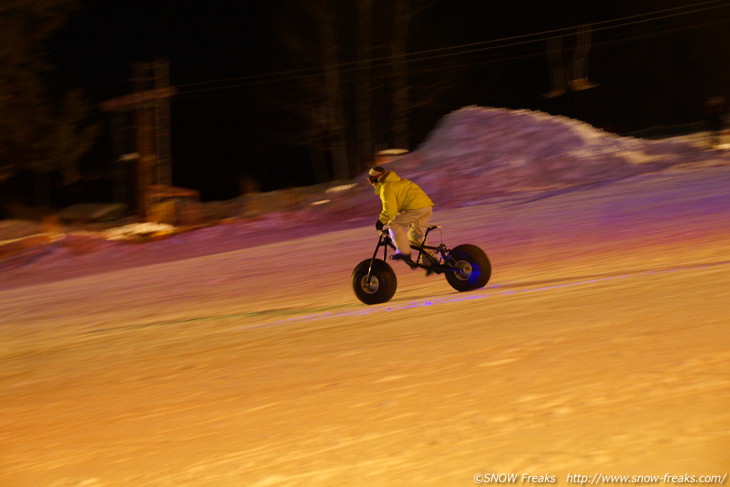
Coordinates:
399	194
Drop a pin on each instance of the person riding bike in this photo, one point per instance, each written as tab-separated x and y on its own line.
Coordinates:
406	210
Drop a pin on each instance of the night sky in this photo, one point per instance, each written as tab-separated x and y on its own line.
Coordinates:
228	121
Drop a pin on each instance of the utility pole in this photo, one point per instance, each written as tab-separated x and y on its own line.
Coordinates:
149	107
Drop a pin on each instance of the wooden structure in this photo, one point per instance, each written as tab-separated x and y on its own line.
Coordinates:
176	206
147	113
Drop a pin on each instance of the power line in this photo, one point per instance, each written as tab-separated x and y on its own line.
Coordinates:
503	60
468	48
547	34
539	36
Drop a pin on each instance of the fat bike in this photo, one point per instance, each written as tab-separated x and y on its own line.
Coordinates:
466	267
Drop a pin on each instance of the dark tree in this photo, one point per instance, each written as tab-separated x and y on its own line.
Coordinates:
40	131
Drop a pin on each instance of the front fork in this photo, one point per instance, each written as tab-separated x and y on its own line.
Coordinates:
383	241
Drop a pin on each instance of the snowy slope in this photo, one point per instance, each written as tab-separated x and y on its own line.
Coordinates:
238	355
473	156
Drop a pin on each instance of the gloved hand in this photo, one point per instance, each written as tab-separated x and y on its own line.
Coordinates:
379	225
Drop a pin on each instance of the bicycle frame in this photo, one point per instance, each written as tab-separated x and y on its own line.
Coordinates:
385	241
466	267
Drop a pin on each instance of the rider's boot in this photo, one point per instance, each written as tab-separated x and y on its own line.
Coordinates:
405	258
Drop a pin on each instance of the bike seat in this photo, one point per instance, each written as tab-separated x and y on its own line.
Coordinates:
433	227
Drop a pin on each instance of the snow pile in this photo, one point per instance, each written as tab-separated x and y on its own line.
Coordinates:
478	152
81	243
11	230
49	248
134	231
35	243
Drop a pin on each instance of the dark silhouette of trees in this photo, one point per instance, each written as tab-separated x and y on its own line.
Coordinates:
40	131
353	96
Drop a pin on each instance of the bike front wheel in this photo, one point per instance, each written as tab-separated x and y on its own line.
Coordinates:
374	281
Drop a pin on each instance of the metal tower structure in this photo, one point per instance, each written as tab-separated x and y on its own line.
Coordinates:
146	112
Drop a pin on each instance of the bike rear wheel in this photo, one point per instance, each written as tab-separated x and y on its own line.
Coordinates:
474	268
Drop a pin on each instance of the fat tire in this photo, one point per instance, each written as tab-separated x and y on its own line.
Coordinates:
383	282
476	264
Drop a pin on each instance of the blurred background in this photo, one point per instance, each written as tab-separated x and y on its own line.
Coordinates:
215	100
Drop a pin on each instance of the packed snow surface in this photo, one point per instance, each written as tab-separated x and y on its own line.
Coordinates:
237	354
